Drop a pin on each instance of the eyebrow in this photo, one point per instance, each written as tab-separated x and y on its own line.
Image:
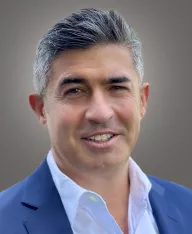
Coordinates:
80	80
118	79
71	80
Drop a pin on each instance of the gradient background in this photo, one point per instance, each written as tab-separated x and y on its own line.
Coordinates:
164	148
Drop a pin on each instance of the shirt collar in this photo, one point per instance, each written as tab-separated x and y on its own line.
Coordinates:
139	186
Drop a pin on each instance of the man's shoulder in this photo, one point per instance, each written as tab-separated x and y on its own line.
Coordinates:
10	208
13	207
173	190
14	193
170	185
11	195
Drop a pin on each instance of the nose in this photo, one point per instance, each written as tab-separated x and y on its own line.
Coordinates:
99	109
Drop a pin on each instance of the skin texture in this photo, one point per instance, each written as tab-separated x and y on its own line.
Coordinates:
74	111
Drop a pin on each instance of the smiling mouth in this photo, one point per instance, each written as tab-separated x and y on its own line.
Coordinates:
101	142
100	137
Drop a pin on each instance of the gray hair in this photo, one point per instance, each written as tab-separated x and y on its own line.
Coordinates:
81	30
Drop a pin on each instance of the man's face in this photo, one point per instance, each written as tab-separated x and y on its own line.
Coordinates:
94	106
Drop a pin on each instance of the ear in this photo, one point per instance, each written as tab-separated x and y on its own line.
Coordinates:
144	95
37	104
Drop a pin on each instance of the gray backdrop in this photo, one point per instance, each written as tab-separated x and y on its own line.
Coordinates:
164	147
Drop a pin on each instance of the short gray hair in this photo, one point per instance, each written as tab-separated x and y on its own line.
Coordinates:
81	30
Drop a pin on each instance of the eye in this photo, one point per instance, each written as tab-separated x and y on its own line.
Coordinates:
73	91
117	87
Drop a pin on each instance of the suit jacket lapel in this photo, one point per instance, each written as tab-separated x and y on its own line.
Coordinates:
166	214
47	214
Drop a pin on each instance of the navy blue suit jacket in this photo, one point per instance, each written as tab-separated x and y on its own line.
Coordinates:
33	206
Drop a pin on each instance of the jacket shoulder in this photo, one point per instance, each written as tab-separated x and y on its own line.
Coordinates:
178	194
10	208
13	207
10	194
171	186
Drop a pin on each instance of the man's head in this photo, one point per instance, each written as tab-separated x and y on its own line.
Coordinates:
88	78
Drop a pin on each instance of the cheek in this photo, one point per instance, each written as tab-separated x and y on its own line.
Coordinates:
64	120
128	109
130	117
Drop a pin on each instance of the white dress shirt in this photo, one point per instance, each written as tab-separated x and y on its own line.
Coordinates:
87	211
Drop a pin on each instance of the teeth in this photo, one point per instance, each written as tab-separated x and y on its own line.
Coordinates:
98	137
104	137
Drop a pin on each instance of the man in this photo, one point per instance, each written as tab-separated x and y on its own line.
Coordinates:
90	94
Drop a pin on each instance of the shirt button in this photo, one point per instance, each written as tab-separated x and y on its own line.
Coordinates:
92	199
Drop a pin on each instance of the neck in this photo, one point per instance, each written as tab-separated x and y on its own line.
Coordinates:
106	183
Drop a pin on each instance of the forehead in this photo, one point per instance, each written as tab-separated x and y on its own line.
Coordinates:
94	64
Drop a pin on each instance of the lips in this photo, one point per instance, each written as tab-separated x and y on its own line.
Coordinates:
103	137
100	135
101	140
